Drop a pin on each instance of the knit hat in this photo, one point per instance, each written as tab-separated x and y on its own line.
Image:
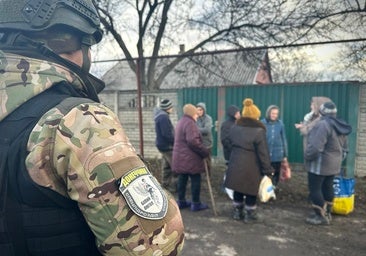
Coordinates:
166	104
250	110
189	110
328	108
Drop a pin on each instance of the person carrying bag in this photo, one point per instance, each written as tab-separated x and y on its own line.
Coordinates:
323	157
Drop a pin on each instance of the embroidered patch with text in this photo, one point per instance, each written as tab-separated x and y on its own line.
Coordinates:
143	194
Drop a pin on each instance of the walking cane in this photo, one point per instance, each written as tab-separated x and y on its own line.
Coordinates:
209	187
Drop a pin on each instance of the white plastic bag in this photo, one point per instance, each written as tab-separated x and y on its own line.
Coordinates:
266	190
228	191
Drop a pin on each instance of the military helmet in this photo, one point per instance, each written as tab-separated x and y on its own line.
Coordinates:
38	15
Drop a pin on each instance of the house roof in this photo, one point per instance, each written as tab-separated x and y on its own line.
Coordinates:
223	69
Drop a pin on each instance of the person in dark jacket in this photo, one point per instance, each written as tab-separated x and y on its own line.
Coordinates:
233	113
325	150
249	161
164	142
310	120
189	155
276	140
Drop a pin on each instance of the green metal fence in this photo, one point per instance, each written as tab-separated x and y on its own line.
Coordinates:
207	95
293	100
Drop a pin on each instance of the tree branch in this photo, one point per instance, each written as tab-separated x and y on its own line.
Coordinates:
107	20
159	36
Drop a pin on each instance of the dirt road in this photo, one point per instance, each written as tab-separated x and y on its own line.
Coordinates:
283	230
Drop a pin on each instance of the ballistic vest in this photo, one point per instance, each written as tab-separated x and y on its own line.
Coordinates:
35	220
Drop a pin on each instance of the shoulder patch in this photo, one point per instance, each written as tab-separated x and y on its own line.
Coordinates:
143	194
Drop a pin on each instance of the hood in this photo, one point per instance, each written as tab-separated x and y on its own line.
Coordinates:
269	111
202	105
318	101
159	112
339	125
23	78
231	111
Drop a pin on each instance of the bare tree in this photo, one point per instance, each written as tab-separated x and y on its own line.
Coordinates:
354	59
292	66
222	23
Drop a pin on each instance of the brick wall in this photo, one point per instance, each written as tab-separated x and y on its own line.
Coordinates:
361	135
125	104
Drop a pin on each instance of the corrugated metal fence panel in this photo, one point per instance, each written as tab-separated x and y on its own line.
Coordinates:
294	102
351	104
263	96
297	100
209	96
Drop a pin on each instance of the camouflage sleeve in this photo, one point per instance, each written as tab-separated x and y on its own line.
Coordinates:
83	155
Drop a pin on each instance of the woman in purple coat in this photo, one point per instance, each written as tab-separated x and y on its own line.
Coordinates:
188	158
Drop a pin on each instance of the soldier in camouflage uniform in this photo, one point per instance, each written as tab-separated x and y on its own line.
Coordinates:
80	152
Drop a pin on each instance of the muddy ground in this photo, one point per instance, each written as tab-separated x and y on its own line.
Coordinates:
283	230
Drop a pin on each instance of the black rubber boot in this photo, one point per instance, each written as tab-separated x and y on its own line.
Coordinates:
251	216
316	219
319	218
238	213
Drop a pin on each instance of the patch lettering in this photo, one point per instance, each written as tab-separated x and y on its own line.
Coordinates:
143	194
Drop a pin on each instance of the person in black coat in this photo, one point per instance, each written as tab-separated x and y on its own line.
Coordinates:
233	113
249	161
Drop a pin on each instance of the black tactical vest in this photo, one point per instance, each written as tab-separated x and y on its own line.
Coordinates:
35	220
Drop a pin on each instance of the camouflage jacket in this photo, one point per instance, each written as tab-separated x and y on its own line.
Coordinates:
83	155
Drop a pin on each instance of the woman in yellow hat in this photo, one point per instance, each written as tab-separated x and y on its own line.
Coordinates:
249	161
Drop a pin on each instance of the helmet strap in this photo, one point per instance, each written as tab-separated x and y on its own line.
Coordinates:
86	60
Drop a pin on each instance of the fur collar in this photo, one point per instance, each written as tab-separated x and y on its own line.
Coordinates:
250	122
